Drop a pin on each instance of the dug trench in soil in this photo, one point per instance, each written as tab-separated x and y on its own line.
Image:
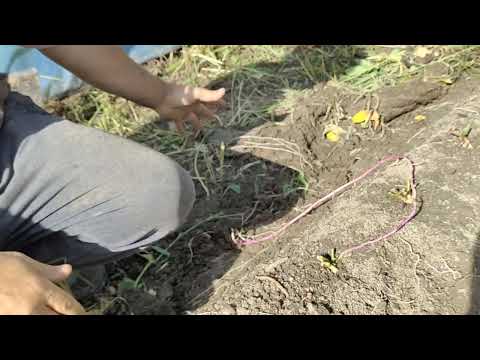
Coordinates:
246	192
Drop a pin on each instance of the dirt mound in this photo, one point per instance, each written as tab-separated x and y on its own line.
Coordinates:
304	130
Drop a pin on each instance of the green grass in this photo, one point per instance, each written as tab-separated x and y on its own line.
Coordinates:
387	69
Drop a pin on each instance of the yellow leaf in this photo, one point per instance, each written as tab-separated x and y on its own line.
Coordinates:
447	81
331	136
333	133
360	117
420	118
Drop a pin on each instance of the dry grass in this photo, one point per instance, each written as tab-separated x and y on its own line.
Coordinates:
390	68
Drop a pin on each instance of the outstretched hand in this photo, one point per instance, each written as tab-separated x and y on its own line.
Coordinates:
186	104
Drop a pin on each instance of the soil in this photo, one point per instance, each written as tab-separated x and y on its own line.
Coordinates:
427	268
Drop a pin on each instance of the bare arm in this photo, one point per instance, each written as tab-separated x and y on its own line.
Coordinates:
108	68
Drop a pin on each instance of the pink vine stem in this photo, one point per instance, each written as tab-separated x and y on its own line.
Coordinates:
272	235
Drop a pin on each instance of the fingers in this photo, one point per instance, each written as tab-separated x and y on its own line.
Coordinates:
61	302
46	311
221	102
205	95
195	121
180	126
55	273
51	272
188	114
58	273
195	112
175	115
203	111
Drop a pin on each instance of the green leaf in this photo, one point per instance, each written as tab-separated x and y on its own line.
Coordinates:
330	261
149	257
126	284
161	251
235	188
466	131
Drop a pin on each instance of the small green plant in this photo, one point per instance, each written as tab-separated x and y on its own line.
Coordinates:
126	284
302	182
162	257
330	261
298	183
463	135
236	188
403	193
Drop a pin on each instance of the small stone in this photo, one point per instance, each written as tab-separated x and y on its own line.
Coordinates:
311	309
152	292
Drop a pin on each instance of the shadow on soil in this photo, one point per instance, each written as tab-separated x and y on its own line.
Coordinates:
250	192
